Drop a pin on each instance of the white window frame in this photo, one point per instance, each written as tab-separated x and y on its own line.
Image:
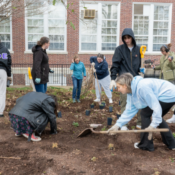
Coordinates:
11	43
46	33
151	23
99	28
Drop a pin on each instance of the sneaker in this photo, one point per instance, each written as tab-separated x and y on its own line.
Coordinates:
138	127
33	137
110	100
171	120
124	128
97	100
18	135
78	101
74	100
136	145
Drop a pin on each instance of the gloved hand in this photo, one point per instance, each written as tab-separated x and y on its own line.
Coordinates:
113	129
51	71
150	135
112	85
37	80
93	64
94	70
142	70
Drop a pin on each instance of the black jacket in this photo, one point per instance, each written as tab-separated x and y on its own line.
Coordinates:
38	109
125	61
101	68
5	63
40	64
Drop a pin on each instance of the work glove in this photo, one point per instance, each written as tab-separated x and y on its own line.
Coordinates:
93	64
51	71
37	80
112	85
94	70
142	70
150	135
113	129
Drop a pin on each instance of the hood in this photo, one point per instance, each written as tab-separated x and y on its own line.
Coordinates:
36	48
134	83
128	31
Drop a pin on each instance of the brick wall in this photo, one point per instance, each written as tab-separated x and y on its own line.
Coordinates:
73	35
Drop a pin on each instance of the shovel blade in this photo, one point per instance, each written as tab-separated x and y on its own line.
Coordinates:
85	132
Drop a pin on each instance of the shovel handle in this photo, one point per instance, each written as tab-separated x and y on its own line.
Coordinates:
132	131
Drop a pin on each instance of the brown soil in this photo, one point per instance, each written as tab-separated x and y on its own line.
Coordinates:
65	154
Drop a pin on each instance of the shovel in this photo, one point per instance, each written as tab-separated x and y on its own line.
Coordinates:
31	80
90	130
142	52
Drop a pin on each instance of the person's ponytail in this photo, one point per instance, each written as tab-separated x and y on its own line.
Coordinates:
42	41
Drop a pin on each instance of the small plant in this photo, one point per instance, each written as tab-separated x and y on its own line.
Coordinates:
104	128
174	134
92	104
75	124
172	159
103	102
102	105
111	106
132	127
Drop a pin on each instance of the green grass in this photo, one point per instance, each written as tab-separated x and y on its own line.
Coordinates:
174	134
104	128
21	89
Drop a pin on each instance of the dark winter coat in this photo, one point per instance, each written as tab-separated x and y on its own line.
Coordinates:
125	60
38	109
40	65
5	60
101	68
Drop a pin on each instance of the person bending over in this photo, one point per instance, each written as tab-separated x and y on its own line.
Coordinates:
32	113
126	58
155	98
167	67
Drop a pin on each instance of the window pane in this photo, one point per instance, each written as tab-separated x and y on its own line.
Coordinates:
109	11
160	28
88	46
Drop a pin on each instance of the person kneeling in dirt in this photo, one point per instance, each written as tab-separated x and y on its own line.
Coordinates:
155	97
100	68
32	113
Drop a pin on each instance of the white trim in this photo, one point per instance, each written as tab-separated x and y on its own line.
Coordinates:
49	52
112	53
153	53
11	51
96	52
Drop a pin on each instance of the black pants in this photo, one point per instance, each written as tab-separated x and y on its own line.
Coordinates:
167	137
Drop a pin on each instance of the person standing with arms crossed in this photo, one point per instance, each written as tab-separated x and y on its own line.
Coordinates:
127	58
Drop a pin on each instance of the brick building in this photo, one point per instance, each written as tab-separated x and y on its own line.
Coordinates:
153	22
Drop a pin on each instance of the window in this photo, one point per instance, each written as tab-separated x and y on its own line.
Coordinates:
152	24
51	24
5	33
101	33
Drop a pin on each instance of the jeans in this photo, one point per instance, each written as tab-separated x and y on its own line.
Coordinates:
76	88
41	88
167	137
